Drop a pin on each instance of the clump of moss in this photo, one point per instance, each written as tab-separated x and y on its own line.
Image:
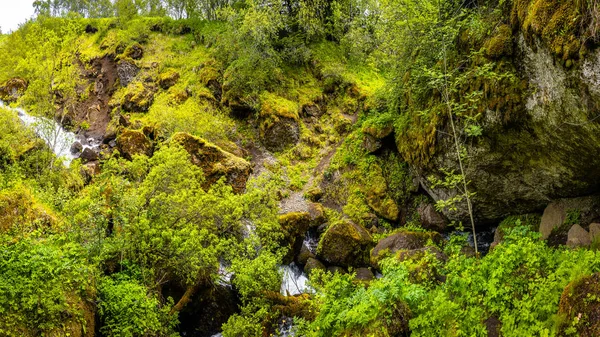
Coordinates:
21	212
579	307
500	44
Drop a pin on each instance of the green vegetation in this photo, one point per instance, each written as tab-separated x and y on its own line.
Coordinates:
237	137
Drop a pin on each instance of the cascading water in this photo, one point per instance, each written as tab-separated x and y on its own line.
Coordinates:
294	280
58	139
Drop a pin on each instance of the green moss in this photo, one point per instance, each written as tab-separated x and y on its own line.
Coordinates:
579	307
501	43
273	106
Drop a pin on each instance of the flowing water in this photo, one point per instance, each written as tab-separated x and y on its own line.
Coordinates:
52	133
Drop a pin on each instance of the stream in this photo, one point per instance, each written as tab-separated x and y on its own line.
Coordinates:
54	135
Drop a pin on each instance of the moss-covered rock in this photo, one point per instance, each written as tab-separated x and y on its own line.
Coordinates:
139	97
579	307
215	162
132	142
168	79
531	221
134	51
279	127
126	71
13	89
345	244
294	226
500	43
402	241
21	212
313	264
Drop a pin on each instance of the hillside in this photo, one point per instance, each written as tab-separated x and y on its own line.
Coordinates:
306	168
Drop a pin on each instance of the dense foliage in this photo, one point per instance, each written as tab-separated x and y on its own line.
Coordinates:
217	120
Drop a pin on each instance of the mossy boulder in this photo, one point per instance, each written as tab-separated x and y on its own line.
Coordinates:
279	127
570	211
215	162
13	89
578	237
21	212
402	241
134	51
500	43
139	97
345	244
423	264
168	79
294	226
430	218
317	214
579	307
378	196
313	264
132	142
531	221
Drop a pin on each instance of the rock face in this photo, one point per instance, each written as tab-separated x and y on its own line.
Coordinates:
13	89
131	142
345	244
544	149
126	71
579	309
215	162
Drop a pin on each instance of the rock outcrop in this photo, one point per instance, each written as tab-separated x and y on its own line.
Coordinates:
132	142
215	162
542	146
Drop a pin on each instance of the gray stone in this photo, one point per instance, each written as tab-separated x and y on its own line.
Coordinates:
126	71
364	274
88	155
578	237
76	148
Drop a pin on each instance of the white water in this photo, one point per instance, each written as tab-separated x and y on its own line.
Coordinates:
294	281
58	139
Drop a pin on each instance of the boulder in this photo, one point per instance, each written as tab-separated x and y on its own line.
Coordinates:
294	226
574	210
317	214
13	89
378	196
76	148
126	71
132	142
373	136
430	218
304	255
311	110
580	308
424	263
135	51
139	97
88	155
402	241
279	127
336	270
364	274
578	237
168	79
345	244
594	231
313	264
215	162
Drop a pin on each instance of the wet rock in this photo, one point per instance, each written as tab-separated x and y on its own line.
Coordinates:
424	263
430	218
168	79
364	274
126	71
580	312
403	240
76	148
215	162
13	89
345	244
578	237
304	255
313	264
493	326
88	155
132	142
294	226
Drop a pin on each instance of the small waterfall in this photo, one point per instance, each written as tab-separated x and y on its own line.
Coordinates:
294	280
58	139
